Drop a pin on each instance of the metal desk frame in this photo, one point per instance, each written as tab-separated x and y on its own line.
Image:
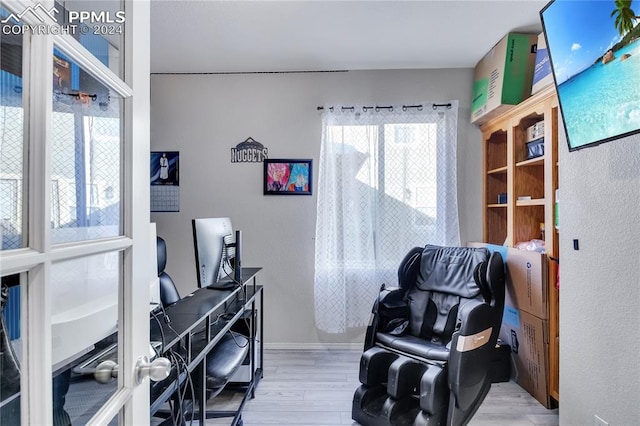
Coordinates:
199	313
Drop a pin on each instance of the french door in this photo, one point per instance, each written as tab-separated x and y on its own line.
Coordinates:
74	210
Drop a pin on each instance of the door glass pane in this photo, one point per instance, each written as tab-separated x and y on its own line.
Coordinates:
10	350
84	333
86	156
11	139
98	25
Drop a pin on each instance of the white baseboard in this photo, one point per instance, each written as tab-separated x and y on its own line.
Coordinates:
315	346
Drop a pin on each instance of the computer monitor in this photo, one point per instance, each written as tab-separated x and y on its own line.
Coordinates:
231	265
215	246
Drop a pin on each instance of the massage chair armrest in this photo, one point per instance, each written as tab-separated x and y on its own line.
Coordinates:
472	346
475	316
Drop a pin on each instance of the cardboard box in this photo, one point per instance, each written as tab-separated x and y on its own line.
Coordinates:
527	279
503	77
529	340
542	76
525	327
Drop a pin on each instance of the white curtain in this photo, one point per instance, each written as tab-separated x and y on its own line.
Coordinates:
386	183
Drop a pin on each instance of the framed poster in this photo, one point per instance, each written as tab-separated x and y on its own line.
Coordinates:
287	176
165	181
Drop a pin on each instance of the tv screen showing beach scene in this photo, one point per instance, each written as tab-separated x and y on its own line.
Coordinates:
594	50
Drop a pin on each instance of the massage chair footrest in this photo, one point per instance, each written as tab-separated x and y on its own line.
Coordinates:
374	365
404	377
373	407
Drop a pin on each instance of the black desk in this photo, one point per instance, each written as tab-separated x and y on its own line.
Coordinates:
198	315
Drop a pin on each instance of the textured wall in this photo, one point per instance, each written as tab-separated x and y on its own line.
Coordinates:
204	116
600	283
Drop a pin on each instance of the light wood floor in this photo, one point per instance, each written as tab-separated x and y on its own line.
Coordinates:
316	388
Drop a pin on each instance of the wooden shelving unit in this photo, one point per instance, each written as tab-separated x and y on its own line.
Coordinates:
507	170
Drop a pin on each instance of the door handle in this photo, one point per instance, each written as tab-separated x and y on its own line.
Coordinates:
105	371
156	370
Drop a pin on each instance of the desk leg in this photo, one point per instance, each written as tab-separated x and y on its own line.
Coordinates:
202	395
261	343
252	346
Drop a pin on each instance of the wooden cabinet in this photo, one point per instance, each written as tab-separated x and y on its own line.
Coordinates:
495	186
529	186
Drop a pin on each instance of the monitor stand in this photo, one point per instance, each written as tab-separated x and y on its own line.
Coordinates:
223	285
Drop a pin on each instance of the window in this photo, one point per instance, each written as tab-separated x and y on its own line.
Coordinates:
387	183
86	158
12	150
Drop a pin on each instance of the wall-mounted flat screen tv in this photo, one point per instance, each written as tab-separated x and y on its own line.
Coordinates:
594	48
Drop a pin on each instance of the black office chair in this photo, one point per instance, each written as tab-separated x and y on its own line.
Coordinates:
228	354
429	347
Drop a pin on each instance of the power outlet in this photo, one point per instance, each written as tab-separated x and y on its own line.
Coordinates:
597	421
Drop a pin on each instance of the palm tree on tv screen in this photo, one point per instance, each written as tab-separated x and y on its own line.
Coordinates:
625	16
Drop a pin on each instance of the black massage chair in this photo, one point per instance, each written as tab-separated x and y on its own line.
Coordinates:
430	341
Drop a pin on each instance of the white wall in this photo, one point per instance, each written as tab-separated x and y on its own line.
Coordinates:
600	283
204	116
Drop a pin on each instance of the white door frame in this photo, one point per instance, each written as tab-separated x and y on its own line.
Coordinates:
131	400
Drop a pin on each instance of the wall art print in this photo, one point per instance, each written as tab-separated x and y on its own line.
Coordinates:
287	176
165	181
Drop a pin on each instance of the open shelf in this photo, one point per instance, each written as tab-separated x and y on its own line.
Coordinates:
498	170
534	202
538	161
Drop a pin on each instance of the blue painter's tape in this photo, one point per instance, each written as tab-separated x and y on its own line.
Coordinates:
511	316
500	249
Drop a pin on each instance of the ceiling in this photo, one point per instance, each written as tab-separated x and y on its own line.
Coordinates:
210	36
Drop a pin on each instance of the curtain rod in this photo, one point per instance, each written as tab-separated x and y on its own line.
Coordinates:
388	108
